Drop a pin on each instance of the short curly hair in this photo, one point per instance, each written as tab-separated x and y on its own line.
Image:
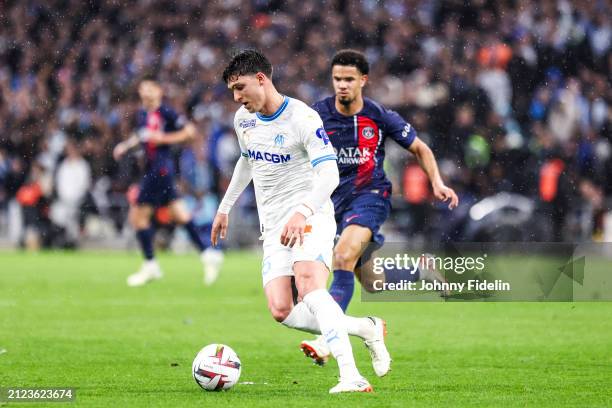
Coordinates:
247	62
351	58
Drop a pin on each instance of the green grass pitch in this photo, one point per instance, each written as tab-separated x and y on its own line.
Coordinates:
69	320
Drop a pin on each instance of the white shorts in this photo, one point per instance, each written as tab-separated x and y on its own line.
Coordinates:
318	245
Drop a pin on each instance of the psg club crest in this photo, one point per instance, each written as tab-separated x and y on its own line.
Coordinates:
367	132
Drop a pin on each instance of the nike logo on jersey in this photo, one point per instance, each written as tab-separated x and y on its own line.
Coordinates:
351	218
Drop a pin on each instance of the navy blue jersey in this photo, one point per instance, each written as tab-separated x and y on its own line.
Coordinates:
159	158
359	141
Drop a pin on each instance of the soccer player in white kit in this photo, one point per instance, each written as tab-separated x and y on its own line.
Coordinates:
286	152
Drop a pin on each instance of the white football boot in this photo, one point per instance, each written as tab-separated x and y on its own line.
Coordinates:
358	384
381	360
429	273
149	271
316	349
212	259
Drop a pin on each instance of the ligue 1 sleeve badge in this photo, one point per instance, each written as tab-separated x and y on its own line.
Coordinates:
321	134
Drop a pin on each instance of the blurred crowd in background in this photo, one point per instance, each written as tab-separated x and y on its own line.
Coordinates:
514	98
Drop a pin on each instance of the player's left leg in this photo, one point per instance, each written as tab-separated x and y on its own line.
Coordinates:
140	218
211	258
347	251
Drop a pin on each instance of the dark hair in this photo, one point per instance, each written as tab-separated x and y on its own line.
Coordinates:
247	62
149	76
352	58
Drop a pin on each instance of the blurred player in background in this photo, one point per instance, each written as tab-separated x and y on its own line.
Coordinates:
357	128
158	129
285	151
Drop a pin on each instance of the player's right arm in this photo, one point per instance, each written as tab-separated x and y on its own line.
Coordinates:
125	146
241	177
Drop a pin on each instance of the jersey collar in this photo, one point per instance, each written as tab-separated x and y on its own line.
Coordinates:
275	114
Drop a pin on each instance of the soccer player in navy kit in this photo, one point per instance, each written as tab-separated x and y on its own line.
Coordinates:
158	128
357	128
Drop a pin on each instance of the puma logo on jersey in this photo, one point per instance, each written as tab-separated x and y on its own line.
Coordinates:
247	123
269	157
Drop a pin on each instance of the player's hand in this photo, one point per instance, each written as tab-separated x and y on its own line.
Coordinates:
190	130
119	151
219	228
294	230
443	193
156	138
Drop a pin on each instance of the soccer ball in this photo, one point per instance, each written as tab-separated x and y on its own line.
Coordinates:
216	367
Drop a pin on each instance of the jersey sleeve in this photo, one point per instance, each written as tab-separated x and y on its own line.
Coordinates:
141	119
398	129
315	139
238	124
174	121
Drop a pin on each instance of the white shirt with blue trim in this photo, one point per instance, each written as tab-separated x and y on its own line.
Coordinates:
282	150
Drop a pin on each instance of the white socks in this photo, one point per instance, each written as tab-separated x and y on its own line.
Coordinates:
301	318
212	256
362	327
333	328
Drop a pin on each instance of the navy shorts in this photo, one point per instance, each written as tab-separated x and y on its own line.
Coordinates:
157	190
367	209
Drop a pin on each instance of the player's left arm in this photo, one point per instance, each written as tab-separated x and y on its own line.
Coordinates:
405	135
428	163
326	178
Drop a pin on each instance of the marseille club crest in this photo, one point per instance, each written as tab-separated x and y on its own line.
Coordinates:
279	140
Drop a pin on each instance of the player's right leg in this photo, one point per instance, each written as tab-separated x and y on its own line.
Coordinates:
347	251
372	330
280	303
317	311
310	279
140	219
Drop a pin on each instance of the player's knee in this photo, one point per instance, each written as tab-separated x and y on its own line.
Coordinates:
279	309
181	217
280	312
368	280
344	259
138	220
306	281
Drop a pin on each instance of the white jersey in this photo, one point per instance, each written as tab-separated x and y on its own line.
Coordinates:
282	150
